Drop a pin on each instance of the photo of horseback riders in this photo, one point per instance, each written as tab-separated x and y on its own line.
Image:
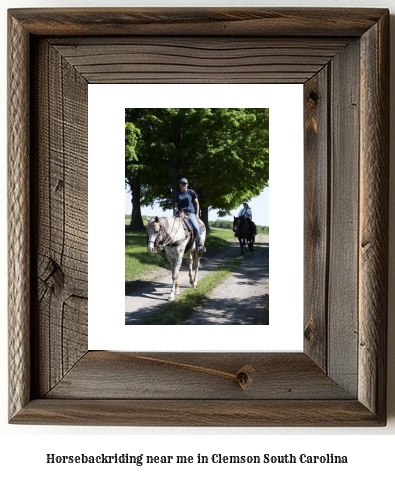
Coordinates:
193	177
244	227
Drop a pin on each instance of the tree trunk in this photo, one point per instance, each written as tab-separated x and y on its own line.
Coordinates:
136	223
204	216
175	171
175	181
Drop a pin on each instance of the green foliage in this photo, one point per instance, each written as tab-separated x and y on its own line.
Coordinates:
221	223
224	153
132	164
229	225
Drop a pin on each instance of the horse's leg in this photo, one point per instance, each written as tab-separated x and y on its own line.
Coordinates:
180	255
196	257
177	292
170	258
175	288
190	268
241	246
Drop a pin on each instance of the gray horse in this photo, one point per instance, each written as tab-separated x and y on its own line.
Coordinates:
168	233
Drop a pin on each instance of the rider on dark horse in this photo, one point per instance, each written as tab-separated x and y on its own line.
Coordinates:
246	212
186	200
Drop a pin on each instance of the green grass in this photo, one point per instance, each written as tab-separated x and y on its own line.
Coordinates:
217	240
128	217
179	311
139	262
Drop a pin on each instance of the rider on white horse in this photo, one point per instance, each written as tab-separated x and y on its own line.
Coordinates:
186	200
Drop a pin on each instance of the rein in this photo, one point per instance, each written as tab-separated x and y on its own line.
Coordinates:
240	231
162	235
159	236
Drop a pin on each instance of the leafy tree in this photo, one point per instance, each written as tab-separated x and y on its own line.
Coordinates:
132	174
234	155
224	153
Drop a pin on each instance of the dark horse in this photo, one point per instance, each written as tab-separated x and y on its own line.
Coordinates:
244	233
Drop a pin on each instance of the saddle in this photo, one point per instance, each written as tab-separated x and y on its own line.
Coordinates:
248	224
188	226
188	229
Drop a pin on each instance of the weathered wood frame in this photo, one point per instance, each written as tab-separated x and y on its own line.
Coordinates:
342	57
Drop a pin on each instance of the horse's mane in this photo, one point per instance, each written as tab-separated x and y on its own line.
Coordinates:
242	226
242	220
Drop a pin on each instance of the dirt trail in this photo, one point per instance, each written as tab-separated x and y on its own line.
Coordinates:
154	293
243	298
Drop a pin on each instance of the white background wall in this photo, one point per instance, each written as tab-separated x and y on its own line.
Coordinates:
24	448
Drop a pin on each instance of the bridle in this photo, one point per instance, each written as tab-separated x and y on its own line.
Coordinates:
237	228
158	237
162	236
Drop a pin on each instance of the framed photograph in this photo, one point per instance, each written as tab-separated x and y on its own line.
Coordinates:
341	57
242	296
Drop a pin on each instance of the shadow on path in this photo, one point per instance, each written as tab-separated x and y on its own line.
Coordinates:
242	299
140	302
233	311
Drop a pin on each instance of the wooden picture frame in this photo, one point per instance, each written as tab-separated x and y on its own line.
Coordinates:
342	58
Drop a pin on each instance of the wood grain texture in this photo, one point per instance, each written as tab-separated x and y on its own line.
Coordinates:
18	218
196	376
373	232
343	263
279	389
316	214
202	413
197	60
199	21
61	226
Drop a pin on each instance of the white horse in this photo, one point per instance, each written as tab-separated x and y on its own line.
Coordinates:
168	233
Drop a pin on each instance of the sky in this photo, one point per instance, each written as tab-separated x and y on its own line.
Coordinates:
259	206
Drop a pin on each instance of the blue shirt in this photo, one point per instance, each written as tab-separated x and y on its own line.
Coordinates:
185	200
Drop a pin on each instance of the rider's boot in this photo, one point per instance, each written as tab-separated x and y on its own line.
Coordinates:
201	248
